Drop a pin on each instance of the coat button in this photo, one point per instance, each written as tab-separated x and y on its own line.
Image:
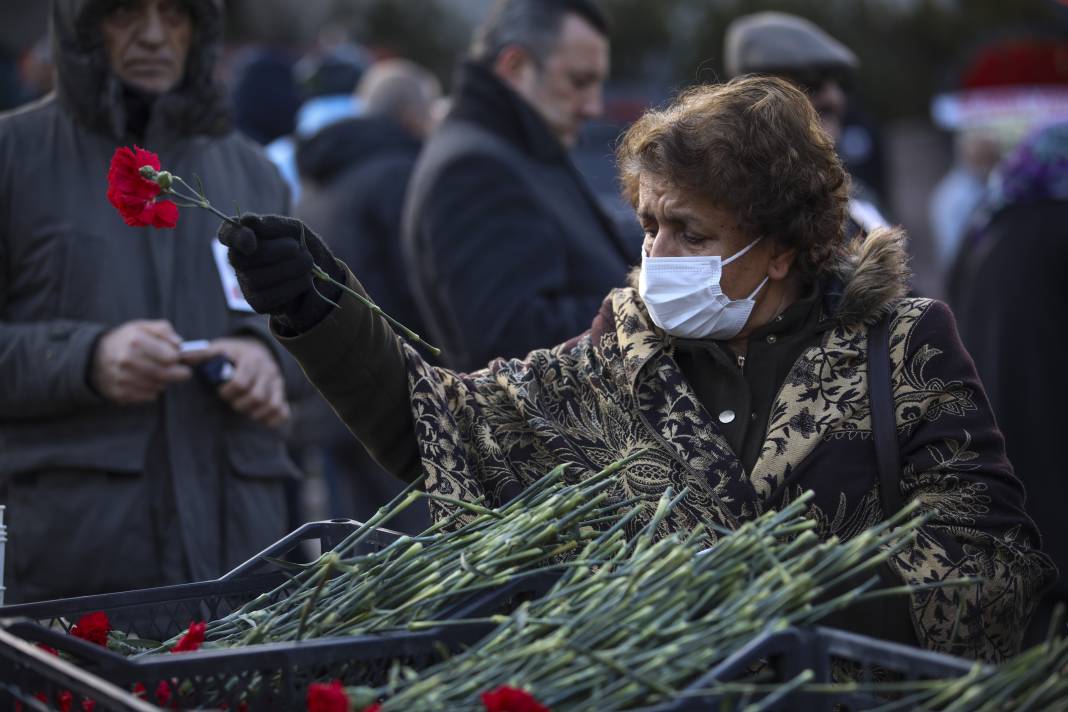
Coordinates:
726	416
772	338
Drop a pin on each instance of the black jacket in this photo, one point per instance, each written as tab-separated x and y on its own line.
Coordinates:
85	507
509	247
1012	293
354	175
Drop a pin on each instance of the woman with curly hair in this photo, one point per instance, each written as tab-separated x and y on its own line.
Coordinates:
740	364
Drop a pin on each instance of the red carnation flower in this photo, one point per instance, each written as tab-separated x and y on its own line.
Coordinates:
192	639
88	705
93	627
48	649
327	698
511	699
163	693
376	707
133	195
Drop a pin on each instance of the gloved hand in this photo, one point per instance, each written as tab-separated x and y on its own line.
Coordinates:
274	268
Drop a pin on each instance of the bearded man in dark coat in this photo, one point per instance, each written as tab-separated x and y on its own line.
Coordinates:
120	468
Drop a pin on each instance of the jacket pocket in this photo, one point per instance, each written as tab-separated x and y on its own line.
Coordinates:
257	451
78	531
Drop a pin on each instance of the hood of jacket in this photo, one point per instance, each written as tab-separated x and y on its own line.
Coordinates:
93	95
870	275
349	142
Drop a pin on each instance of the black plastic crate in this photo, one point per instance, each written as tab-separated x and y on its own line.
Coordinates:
163	612
33	679
276	675
267	676
785	654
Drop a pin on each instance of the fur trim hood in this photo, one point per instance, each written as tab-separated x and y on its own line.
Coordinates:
87	88
871	275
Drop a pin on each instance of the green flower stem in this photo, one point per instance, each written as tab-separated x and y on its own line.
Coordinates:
198	199
415	338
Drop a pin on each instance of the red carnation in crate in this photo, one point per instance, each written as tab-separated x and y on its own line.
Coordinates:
327	697
511	699
135	197
192	639
93	627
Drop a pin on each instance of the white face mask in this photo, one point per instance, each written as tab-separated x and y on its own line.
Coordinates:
684	297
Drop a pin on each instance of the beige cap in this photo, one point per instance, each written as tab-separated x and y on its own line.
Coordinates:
767	42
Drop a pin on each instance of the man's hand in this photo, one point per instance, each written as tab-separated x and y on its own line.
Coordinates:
256	389
134	362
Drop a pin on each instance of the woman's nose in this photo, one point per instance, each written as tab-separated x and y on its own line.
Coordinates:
659	245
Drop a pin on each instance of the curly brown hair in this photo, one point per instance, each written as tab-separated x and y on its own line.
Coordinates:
753	146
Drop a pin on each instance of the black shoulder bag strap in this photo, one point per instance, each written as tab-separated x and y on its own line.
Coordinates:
883	419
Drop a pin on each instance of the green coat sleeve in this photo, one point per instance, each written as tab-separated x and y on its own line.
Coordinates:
357	362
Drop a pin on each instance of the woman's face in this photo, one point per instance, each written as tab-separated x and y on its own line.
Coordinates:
680	223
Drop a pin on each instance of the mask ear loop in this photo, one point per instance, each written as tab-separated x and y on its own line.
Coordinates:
759	287
742	251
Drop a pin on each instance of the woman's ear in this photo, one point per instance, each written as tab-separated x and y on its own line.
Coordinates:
782	260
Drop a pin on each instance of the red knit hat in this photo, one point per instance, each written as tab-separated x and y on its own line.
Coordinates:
1022	82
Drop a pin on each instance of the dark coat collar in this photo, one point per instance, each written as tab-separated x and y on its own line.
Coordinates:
350	142
483	99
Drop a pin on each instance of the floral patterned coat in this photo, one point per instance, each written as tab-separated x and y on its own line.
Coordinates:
616	390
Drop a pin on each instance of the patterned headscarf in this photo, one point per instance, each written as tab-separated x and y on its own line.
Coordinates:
1036	170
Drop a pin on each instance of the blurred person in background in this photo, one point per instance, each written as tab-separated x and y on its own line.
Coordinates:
1010	295
957	195
121	469
783	45
264	94
326	80
355	173
1009	87
508	247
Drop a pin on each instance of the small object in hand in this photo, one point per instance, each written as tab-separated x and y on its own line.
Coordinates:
215	371
190	346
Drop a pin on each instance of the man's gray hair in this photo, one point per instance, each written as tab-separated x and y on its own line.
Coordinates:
398	88
531	24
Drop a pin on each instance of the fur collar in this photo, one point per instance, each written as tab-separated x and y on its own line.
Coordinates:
870	276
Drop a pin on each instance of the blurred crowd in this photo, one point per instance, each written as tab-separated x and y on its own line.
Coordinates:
480	217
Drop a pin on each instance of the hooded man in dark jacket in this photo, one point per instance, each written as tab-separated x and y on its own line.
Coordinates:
121	469
510	248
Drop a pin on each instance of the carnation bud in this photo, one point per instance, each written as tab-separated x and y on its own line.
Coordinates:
148	173
164	180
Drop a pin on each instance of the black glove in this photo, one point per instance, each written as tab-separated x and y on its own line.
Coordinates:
274	268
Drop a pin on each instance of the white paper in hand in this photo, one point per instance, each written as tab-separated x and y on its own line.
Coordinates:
234	298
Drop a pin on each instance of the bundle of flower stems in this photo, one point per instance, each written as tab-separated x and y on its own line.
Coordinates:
421	577
657	613
1036	680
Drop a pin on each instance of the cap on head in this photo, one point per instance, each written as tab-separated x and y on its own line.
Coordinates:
771	42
